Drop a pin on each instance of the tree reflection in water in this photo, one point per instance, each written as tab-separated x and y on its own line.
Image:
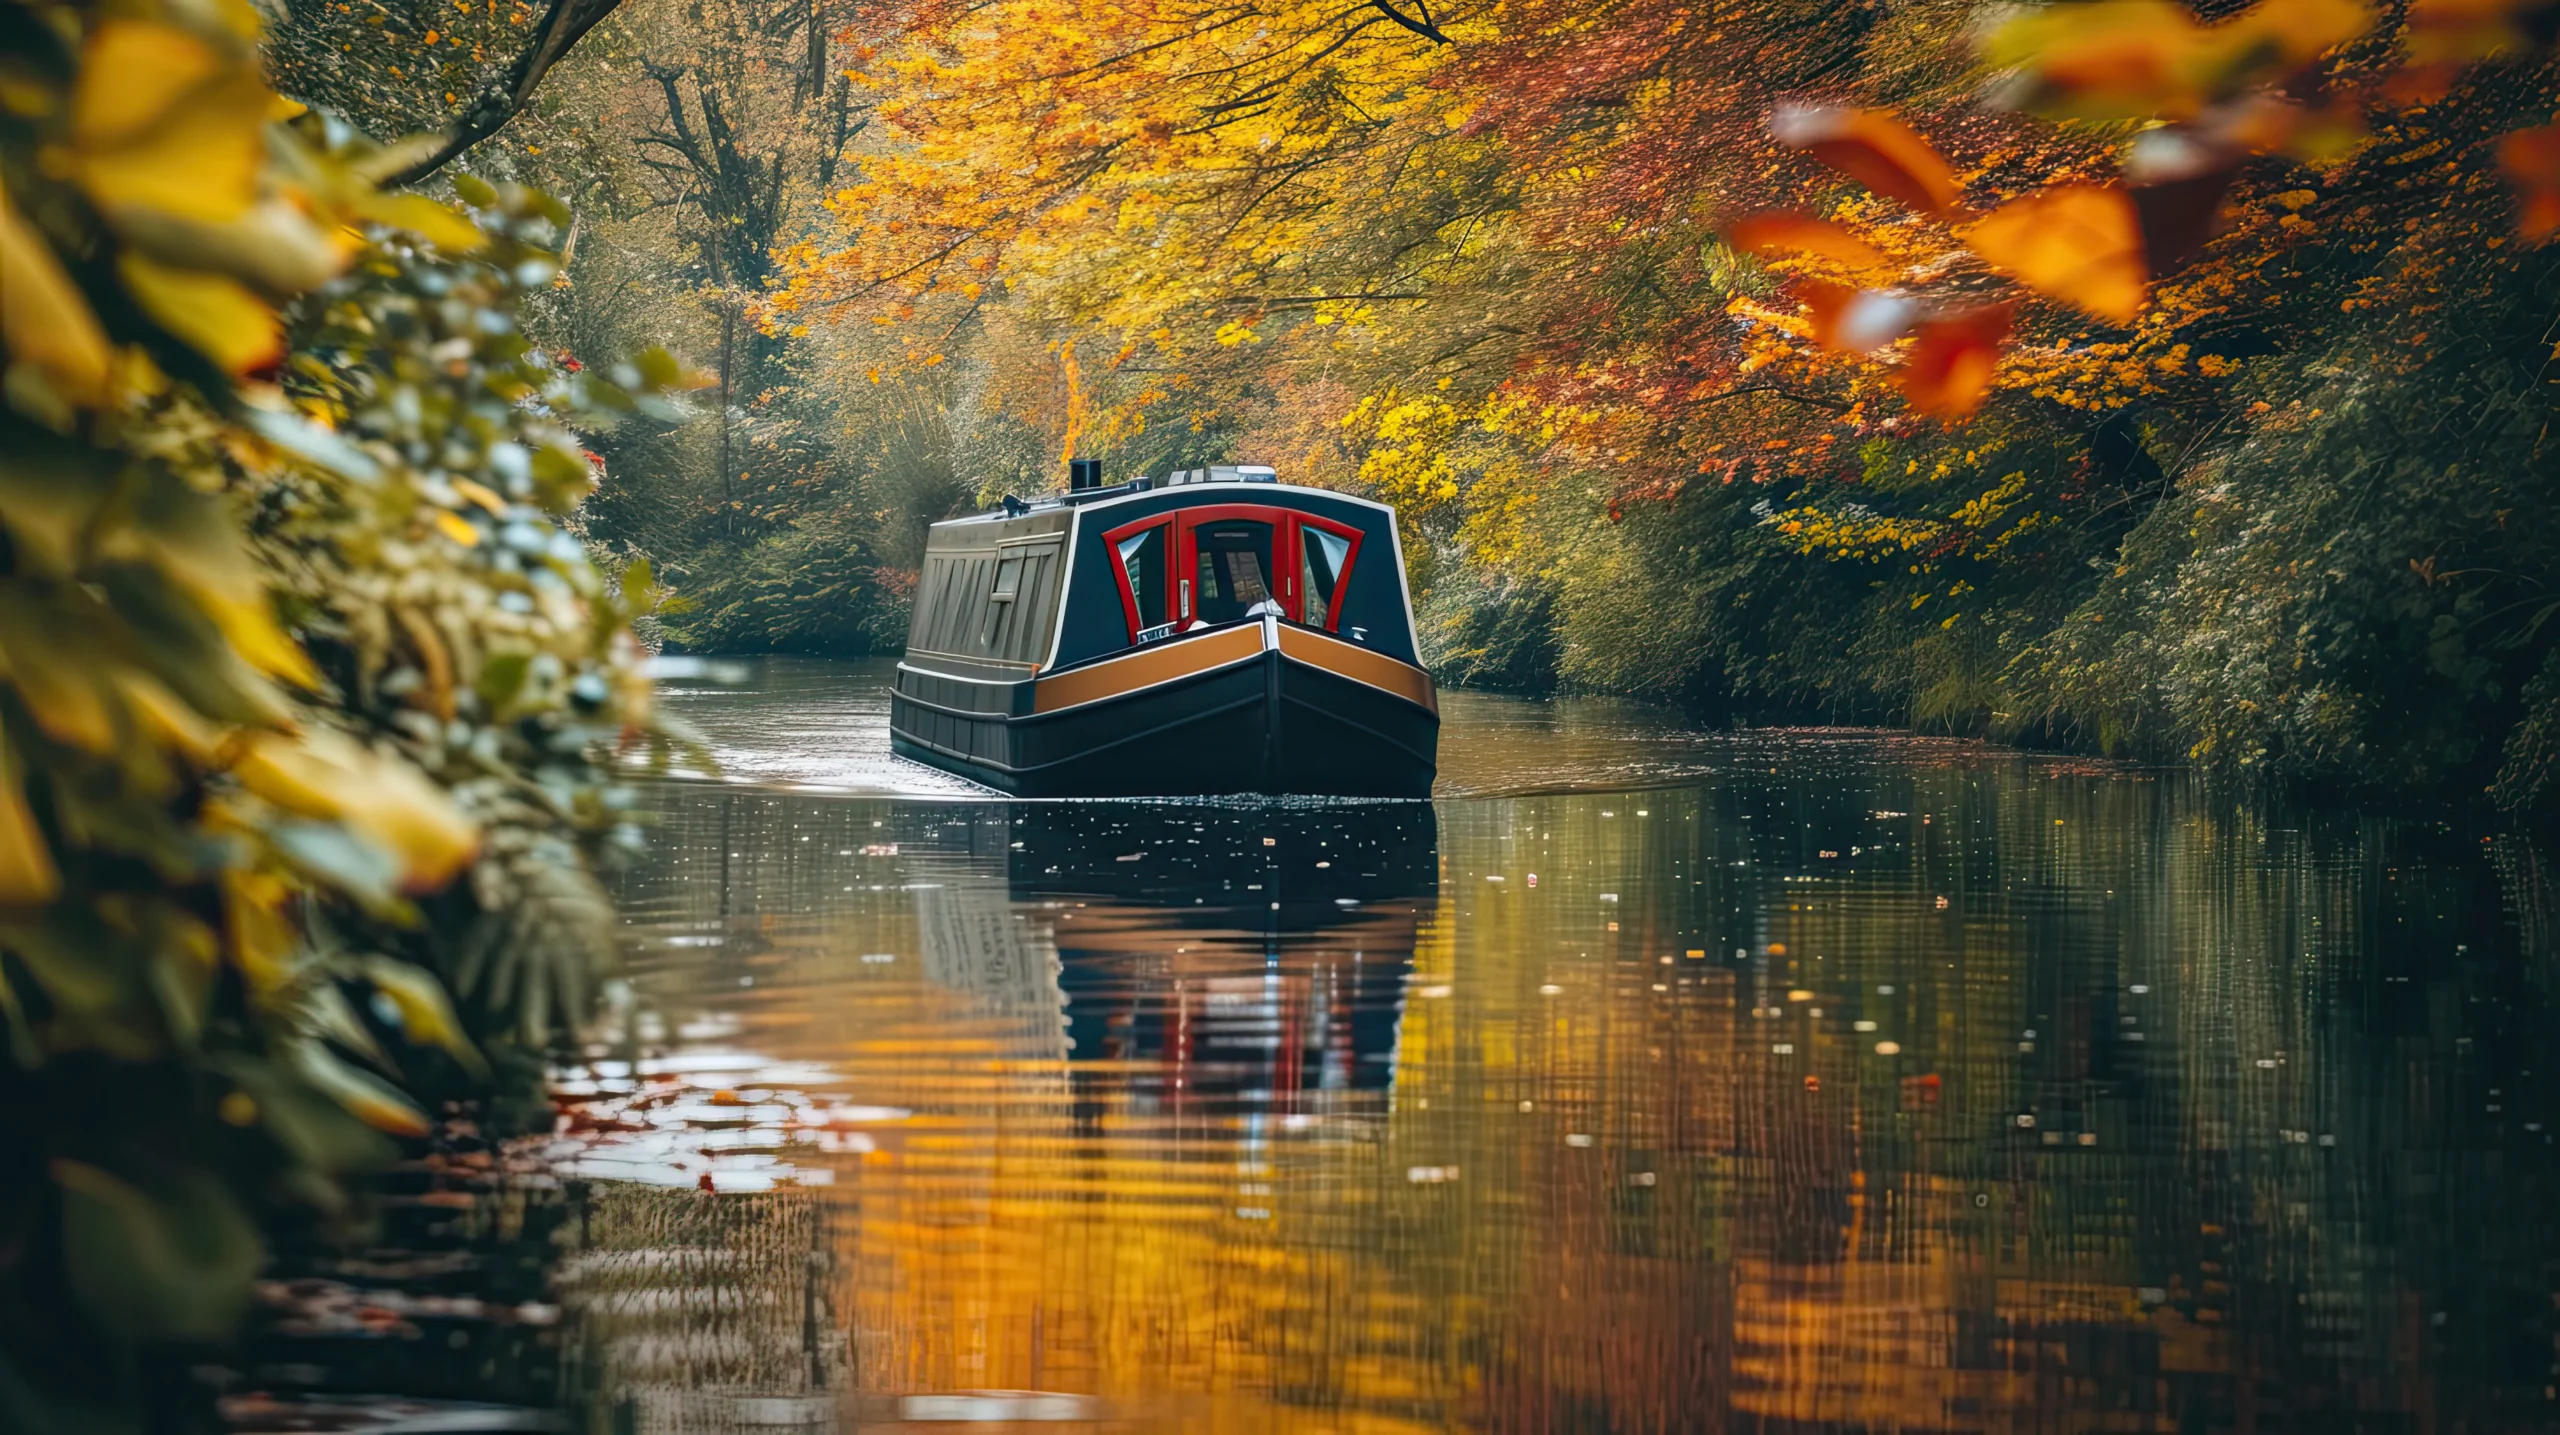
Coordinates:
1904	1086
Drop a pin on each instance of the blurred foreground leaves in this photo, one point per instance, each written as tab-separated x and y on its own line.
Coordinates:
304	674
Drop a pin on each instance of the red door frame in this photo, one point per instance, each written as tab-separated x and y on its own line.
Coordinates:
1111	540
1182	558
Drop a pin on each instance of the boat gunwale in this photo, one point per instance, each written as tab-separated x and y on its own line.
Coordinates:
1277	643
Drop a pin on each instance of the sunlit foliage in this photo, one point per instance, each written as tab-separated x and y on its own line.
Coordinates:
302	679
1795	358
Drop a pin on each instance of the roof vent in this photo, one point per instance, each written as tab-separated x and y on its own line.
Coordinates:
1083	473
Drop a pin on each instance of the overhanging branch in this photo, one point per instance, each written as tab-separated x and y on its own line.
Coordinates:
1425	27
504	97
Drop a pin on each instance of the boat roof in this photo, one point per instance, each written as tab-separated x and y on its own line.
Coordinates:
1218	485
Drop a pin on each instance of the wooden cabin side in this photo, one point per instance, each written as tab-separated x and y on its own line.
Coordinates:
989	593
984	622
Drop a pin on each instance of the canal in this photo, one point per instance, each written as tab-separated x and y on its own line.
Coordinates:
1648	1079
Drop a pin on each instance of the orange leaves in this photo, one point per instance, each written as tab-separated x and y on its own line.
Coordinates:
2458	32
1857	321
2082	245
2530	159
2109	60
1954	349
2149	59
1783	234
2079	244
2277	38
2221	87
2120	60
1873	148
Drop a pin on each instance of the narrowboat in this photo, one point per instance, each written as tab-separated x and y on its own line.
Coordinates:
1216	631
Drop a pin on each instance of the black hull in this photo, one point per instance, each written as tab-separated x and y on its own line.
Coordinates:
1263	722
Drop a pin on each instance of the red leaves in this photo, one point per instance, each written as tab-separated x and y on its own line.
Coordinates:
1953	354
1856	321
1952	359
2079	244
2530	159
1873	148
2178	181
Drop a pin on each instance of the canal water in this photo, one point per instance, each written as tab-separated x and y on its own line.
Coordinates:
1648	1079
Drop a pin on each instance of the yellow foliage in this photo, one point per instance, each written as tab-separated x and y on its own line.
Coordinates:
217	315
326	774
2149	59
164	120
27	873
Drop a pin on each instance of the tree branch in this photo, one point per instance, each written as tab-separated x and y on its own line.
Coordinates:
505	97
1423	27
1780	391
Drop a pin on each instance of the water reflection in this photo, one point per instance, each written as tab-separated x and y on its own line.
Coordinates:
1902	1085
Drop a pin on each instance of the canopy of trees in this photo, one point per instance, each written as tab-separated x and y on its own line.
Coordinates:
2162	381
2165	382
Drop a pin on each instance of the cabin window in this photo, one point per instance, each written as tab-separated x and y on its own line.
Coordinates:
1232	570
1323	558
1143	566
1008	579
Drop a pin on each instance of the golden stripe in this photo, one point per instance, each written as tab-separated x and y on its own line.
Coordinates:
1359	665
1146	667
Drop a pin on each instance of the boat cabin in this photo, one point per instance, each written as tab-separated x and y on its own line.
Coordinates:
1211	631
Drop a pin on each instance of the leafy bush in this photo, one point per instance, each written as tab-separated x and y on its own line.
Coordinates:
282	662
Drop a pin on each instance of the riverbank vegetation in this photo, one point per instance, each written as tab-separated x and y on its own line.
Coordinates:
306	683
2158	382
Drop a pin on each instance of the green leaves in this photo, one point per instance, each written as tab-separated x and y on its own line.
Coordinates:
171	1258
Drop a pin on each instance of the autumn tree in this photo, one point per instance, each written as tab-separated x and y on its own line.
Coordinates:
1786	356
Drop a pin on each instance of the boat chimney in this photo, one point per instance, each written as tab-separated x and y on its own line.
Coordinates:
1083	473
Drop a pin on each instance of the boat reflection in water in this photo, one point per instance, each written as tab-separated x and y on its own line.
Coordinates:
1218	955
1080	1040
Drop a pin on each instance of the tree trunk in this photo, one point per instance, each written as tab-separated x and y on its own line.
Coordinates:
728	364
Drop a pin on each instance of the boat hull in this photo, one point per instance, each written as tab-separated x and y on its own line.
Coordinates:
1255	708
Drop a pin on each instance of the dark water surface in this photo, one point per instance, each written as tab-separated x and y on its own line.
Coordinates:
1648	1080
